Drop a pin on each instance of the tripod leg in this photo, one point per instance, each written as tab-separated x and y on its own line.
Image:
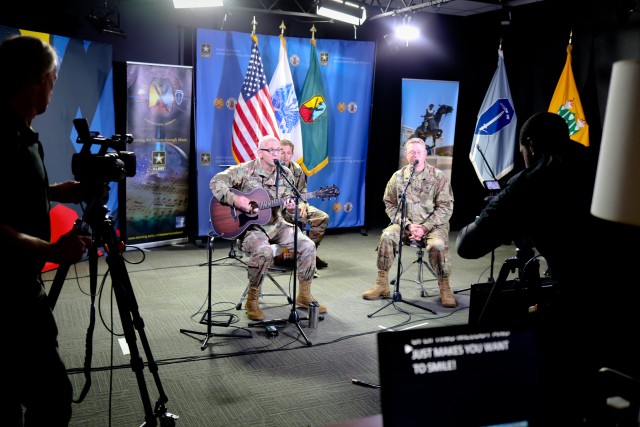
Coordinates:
381	308
131	321
295	319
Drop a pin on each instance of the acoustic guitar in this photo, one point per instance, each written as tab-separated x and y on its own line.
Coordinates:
228	222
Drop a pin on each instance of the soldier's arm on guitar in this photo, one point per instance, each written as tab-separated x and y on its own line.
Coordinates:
244	204
290	205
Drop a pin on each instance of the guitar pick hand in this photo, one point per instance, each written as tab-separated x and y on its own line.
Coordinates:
290	205
245	204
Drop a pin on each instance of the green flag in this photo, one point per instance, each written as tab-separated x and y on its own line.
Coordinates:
314	118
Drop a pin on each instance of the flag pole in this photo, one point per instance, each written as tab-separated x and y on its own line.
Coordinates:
282	40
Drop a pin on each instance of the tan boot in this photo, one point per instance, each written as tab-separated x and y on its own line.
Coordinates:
380	287
304	296
445	293
253	304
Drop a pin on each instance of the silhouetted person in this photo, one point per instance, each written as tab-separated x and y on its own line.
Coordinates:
585	323
35	376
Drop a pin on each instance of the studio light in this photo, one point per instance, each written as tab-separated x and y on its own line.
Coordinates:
183	4
106	26
505	14
407	32
615	195
345	11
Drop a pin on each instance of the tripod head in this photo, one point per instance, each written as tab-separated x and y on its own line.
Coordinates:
527	264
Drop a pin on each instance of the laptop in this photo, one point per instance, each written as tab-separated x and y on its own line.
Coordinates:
461	375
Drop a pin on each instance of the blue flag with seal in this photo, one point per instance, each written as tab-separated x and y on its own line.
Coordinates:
494	138
314	120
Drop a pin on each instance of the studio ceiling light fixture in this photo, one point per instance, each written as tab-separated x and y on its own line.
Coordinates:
345	11
406	31
184	4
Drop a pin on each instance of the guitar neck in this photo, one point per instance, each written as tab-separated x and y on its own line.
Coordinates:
281	201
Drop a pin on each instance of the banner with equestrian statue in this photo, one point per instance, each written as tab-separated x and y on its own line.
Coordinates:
429	112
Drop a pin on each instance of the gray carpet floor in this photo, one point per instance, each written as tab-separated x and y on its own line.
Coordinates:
229	373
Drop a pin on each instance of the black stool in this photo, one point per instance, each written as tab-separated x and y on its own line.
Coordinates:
421	262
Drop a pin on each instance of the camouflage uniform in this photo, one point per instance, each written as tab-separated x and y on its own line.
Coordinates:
429	202
257	239
317	219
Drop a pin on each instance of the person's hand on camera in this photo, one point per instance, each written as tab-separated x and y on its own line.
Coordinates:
95	191
69	248
67	192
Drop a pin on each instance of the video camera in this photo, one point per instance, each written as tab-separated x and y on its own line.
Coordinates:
105	166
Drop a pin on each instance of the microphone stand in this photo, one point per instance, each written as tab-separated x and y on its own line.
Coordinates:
397	296
493	251
294	316
484	159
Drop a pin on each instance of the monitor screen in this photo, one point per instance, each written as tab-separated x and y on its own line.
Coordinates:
462	375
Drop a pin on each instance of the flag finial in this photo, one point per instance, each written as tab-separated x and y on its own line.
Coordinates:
500	44
254	23
282	27
313	32
570	36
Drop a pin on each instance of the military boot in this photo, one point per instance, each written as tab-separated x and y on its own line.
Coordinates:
253	304
380	287
445	293
320	263
304	296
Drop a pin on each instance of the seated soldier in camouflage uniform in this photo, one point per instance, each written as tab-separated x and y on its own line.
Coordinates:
258	238
429	205
317	219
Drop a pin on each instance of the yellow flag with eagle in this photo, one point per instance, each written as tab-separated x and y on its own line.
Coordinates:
566	103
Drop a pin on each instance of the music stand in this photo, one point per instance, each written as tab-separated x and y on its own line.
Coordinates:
207	316
232	255
397	296
232	252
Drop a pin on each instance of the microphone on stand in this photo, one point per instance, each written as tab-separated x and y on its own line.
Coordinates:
413	166
278	164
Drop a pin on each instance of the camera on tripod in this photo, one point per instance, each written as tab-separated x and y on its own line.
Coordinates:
104	166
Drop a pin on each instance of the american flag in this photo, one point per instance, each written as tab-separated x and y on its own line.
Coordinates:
254	116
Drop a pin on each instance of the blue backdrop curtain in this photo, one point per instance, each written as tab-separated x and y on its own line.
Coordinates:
347	74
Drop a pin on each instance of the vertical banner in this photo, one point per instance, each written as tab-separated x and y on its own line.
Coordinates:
159	118
429	112
346	71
